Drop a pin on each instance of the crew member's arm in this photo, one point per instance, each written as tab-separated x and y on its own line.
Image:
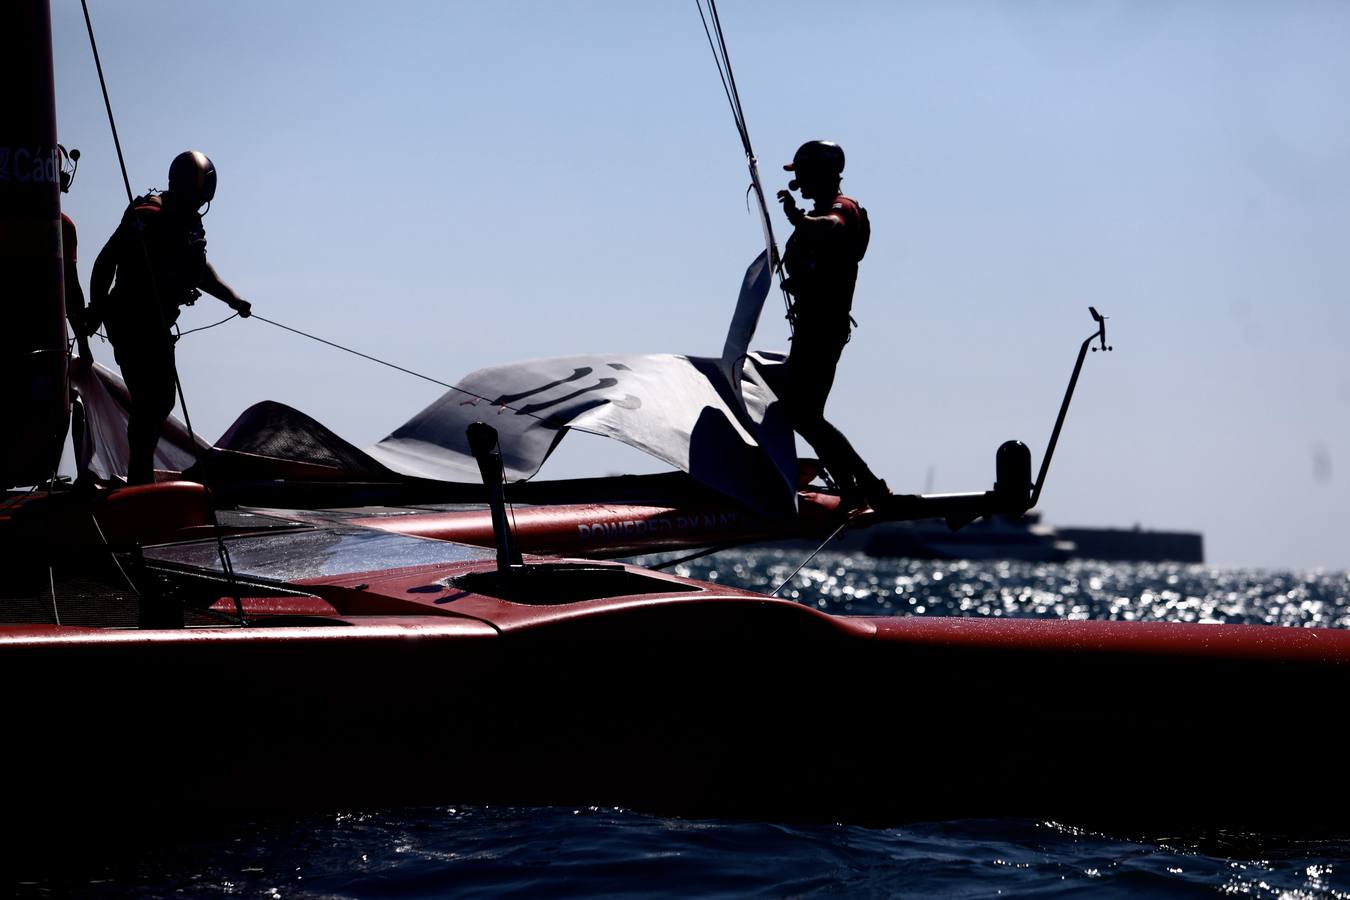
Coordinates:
75	308
100	283
211	283
818	225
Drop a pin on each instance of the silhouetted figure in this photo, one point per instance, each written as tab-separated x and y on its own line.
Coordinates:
69	248
74	296
157	257
821	259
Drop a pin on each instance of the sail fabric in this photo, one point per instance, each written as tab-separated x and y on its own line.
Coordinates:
717	418
678	409
107	410
713	418
749	305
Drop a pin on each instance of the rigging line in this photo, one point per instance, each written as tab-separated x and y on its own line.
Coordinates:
745	129
706	551
89	24
159	308
833	535
547	420
731	77
723	60
51	580
117	562
726	87
314	337
183	334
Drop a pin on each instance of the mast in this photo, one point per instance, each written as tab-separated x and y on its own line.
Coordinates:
34	402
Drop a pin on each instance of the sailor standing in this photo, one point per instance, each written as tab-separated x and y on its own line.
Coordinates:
68	164
157	259
821	259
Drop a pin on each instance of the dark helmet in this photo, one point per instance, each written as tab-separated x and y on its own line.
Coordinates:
193	177
824	157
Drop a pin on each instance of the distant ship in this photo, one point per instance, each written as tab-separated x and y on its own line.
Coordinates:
1027	538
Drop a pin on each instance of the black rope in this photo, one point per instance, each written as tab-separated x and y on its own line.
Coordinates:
374	359
547	420
51	581
833	535
721	73
183	334
722	58
93	44
221	549
116	562
706	551
731	76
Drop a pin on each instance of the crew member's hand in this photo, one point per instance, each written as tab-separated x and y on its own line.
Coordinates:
85	323
790	209
244	308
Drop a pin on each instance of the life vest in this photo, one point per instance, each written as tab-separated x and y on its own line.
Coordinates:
174	242
823	268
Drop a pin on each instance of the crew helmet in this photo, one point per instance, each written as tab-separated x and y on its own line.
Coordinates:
825	157
193	176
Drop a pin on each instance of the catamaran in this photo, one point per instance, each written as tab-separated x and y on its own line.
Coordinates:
287	621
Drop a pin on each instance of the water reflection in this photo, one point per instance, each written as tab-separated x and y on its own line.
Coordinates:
1150	592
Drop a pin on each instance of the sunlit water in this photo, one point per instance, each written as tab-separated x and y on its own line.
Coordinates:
512	852
862	586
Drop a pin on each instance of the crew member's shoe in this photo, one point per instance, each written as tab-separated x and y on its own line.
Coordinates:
876	494
871	494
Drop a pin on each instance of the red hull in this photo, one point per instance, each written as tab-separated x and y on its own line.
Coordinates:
408	682
608	530
711	702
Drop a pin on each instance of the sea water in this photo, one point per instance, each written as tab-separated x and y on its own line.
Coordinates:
604	852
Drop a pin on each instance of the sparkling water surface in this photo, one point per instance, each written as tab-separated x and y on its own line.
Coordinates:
516	852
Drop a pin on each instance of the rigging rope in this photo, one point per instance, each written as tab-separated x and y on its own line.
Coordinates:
98	64
182	334
223	551
717	42
833	535
547	420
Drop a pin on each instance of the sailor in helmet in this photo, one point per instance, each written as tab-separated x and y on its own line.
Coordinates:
68	164
155	263
821	259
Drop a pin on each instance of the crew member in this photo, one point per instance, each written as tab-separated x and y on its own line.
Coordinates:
80	438
821	259
69	246
155	263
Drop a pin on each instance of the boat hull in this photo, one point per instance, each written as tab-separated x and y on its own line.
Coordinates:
704	707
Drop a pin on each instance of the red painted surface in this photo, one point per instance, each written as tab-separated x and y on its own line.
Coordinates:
154	513
714	701
1178	640
33	356
276	606
602	530
120	518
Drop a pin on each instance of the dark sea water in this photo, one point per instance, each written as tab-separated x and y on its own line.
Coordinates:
514	852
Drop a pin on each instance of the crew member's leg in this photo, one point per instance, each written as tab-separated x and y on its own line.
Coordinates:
811	369
148	370
82	441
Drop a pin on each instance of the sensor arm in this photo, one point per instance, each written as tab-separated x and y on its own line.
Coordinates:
1013	492
1099	335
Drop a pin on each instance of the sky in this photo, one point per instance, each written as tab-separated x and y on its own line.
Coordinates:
454	185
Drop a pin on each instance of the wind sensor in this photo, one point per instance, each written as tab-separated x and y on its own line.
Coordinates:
1013	493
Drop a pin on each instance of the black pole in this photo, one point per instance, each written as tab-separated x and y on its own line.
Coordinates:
486	449
1100	334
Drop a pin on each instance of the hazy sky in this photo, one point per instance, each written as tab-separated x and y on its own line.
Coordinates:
454	185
